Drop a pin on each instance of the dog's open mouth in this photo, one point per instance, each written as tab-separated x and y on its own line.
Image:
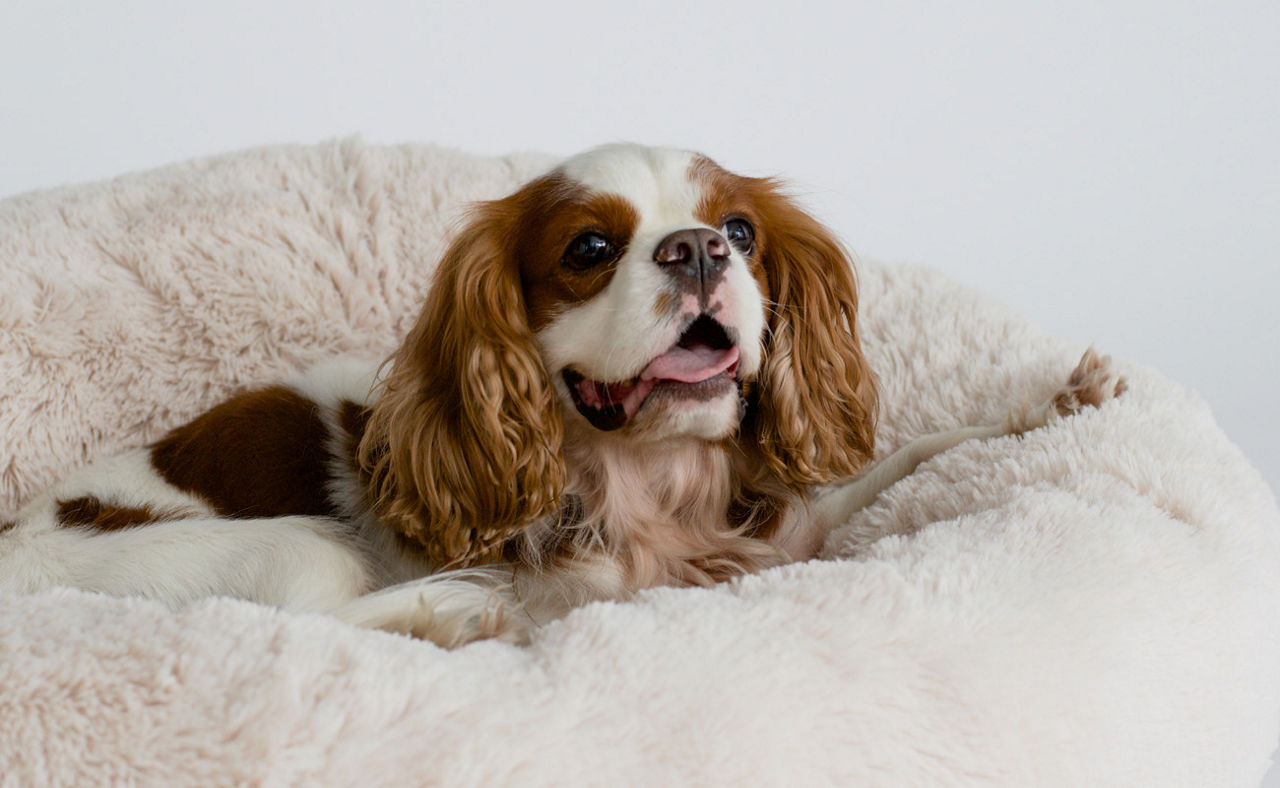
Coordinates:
700	365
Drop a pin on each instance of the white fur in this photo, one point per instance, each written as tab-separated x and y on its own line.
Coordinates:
332	382
296	563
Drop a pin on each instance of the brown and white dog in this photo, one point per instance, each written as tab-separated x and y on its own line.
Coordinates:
638	370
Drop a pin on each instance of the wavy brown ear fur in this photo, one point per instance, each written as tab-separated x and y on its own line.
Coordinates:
817	400
463	443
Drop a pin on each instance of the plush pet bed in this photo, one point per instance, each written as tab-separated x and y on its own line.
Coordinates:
1096	603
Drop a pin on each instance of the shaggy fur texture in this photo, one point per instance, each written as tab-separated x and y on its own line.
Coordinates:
1094	603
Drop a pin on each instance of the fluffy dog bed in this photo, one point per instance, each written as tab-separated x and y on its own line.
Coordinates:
1096	603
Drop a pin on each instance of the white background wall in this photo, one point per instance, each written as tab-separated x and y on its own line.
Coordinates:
1110	168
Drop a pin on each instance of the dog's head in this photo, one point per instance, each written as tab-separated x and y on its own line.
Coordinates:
632	293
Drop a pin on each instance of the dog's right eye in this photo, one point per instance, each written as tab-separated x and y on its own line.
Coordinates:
587	251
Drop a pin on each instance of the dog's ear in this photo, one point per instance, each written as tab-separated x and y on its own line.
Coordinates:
816	410
464	440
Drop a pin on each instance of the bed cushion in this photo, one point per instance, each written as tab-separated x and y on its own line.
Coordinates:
1097	602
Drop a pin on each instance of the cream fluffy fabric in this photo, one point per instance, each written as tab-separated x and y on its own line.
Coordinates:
1096	603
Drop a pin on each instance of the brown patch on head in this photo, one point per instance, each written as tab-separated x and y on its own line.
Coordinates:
261	454
665	303
813	413
94	513
7	527
544	218
726	196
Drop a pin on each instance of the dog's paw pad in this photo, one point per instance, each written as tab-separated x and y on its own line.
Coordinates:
1090	384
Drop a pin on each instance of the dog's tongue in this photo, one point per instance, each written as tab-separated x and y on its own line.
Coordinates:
683	365
690	365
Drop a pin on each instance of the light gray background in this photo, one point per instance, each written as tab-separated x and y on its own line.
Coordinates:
1110	168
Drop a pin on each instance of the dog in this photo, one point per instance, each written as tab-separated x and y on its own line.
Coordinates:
640	369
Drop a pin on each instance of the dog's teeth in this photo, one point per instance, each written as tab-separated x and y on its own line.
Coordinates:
617	392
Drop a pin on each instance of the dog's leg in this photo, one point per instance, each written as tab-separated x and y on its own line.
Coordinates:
504	601
296	563
1091	383
449	608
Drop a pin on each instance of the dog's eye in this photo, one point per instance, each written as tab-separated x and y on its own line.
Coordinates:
587	251
741	234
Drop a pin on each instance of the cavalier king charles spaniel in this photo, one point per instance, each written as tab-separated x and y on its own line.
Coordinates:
638	370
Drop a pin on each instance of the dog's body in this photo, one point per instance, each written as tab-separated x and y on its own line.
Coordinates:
635	371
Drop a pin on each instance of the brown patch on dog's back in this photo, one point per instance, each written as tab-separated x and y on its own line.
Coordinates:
353	419
261	454
94	513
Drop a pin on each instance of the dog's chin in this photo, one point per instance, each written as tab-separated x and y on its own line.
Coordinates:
710	410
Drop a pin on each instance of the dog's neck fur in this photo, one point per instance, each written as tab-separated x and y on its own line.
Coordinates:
671	512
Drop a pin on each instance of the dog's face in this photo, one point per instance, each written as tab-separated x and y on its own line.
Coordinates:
630	294
645	291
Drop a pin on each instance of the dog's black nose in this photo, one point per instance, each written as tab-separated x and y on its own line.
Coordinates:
697	256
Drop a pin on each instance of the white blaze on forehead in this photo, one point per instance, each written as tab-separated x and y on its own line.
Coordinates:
655	180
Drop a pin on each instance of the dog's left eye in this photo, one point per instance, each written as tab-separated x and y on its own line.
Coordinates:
587	251
741	234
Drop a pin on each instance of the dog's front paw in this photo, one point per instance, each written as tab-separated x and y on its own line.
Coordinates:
498	621
449	627
1091	383
450	610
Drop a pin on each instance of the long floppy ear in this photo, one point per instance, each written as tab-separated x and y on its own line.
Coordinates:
463	442
817	399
